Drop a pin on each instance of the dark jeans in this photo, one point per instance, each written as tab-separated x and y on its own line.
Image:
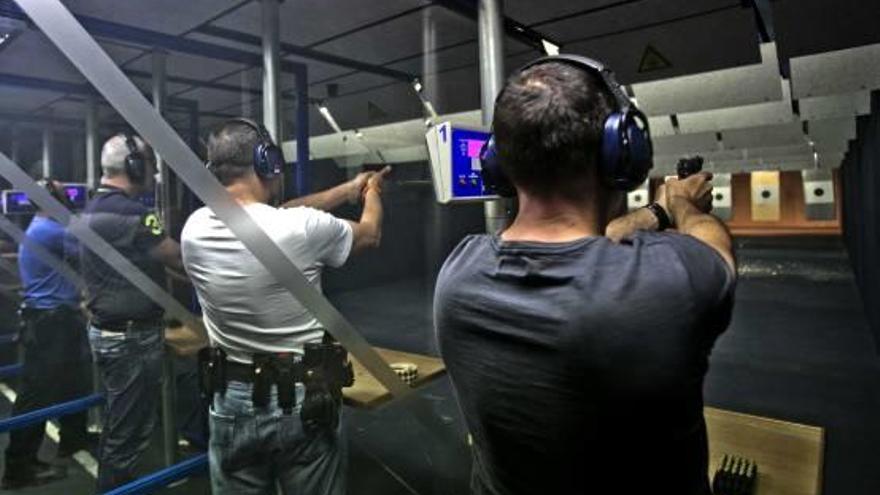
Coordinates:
253	449
55	369
130	365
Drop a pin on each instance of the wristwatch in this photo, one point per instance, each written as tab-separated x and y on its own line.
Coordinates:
663	221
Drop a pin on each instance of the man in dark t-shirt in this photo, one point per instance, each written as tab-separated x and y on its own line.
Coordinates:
126	327
578	358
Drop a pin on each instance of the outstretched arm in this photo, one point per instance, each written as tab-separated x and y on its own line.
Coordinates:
330	199
640	219
687	205
368	230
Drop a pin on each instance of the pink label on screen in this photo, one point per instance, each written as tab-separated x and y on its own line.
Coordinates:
474	146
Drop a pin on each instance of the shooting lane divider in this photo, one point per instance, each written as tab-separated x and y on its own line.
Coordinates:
10	370
39	415
59	25
164	477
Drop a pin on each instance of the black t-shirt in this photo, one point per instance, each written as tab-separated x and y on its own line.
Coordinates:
579	366
133	230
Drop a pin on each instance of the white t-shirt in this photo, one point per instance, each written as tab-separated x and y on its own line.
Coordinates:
244	308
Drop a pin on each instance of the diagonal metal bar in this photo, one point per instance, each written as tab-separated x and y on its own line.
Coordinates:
57	264
90	239
53	18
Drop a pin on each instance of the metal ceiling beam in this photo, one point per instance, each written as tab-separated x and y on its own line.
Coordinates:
154	39
309	53
18	81
202	84
512	28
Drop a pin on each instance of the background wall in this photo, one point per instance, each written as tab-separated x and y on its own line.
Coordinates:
792	218
861	210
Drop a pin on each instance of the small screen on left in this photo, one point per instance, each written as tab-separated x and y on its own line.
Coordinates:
17	202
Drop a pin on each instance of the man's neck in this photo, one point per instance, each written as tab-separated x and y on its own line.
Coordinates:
554	219
247	190
119	182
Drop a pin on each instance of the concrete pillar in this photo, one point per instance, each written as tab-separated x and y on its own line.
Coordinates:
271	67
48	145
491	38
93	172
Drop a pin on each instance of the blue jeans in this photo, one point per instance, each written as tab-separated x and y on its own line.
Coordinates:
254	450
130	365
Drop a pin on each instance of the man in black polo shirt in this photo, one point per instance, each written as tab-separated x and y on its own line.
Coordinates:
126	327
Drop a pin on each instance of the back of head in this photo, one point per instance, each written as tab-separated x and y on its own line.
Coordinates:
548	127
231	151
116	150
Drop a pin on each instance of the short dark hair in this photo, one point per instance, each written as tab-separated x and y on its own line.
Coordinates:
548	127
231	151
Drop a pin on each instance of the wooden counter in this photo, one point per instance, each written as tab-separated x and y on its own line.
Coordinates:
790	456
367	392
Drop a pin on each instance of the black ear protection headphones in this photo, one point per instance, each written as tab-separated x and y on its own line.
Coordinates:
57	192
625	154
135	161
268	159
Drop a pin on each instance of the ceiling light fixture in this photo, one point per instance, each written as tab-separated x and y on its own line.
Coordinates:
325	112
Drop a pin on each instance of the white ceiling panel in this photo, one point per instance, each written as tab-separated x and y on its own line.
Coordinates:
661	125
764	136
829	107
842	71
683	144
832	130
725	88
777	112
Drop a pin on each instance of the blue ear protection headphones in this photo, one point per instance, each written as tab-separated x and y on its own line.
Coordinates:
135	162
625	154
268	158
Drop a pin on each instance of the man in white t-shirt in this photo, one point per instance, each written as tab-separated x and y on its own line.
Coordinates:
254	324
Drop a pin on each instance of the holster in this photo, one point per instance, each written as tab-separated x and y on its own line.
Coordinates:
326	371
212	372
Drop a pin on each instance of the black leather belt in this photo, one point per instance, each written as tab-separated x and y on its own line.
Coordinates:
129	325
245	372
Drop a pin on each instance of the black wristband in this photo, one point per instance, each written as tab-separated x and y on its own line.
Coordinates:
663	221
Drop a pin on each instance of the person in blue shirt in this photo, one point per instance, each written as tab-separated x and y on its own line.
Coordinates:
56	362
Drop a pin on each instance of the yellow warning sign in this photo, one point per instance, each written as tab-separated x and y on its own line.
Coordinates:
653	60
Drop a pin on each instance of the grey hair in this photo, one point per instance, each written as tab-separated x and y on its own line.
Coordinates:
115	151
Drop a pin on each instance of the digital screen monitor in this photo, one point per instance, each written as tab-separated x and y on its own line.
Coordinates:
77	194
17	203
467	179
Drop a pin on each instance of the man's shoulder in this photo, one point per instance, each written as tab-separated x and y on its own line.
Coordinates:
472	247
116	202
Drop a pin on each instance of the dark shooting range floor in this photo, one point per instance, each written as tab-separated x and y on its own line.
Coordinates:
799	349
